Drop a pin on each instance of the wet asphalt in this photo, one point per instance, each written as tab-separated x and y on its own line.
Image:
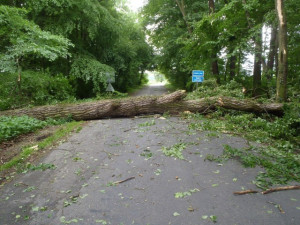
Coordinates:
114	172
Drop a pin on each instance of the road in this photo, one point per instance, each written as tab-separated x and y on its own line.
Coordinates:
86	186
153	89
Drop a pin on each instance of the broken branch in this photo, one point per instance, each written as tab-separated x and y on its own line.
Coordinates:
281	189
293	187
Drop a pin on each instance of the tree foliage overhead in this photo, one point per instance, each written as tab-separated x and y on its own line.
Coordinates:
81	39
220	37
22	39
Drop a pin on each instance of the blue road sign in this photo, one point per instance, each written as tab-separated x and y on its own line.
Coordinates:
198	73
198	76
198	79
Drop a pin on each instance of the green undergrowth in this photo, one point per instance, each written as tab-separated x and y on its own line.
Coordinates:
19	160
13	126
274	142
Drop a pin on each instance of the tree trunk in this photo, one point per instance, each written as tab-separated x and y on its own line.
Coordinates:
211	5
19	80
171	103
239	62
257	64
214	56
215	66
281	87
272	53
232	66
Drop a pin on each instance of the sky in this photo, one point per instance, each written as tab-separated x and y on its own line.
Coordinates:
134	5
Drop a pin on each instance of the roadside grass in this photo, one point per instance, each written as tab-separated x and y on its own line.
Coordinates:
274	142
19	161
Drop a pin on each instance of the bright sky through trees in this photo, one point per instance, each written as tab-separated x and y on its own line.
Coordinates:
135	5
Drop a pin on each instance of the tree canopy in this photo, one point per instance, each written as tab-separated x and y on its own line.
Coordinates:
81	39
220	37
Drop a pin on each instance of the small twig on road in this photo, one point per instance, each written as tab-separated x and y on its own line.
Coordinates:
245	192
277	206
110	154
122	181
21	183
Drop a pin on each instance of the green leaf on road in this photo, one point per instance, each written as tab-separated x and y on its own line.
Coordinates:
103	222
35	209
213	218
176	214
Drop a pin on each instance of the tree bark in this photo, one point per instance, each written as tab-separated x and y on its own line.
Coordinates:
215	66
211	5
272	53
232	66
281	87
172	103
214	56
257	64
257	55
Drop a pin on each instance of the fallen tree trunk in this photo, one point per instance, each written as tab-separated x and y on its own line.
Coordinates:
171	103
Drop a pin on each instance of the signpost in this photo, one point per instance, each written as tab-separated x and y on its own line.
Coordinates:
110	78
197	77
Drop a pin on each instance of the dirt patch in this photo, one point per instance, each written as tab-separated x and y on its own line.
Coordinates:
10	149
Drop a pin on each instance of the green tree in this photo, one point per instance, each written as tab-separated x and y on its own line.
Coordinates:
24	40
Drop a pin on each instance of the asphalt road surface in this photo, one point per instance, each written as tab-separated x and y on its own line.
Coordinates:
114	172
153	89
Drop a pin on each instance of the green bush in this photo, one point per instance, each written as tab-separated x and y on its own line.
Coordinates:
11	127
37	88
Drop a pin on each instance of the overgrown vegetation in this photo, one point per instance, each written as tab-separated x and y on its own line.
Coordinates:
38	88
66	50
12	126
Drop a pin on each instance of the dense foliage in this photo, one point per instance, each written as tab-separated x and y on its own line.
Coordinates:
79	40
220	37
37	88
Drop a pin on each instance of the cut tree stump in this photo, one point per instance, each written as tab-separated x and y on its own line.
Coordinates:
172	103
